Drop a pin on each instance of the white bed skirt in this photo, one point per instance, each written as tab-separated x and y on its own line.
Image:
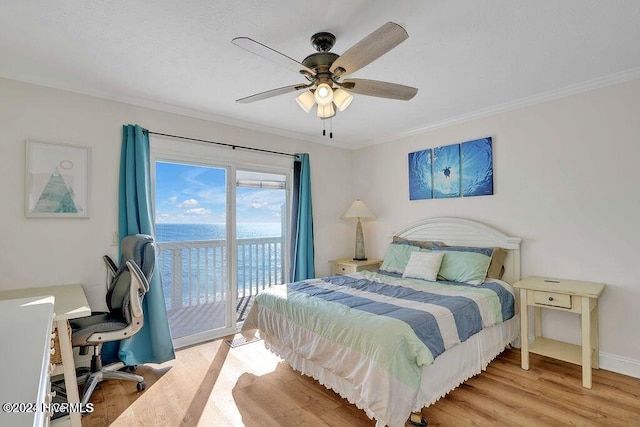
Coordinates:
465	360
448	371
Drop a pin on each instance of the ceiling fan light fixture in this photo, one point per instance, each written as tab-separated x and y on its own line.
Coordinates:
326	111
342	99
306	100
323	94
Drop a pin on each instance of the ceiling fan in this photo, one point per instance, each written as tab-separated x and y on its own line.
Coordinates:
325	71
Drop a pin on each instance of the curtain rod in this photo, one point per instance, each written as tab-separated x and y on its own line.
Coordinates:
232	146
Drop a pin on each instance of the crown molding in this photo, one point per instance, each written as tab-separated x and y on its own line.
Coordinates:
590	85
610	80
168	108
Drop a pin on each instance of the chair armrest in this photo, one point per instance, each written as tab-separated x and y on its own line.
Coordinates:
139	287
111	266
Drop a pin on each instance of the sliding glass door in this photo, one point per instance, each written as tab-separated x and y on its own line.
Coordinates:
192	223
261	219
221	232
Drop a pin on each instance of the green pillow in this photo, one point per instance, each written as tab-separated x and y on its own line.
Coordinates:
397	257
464	267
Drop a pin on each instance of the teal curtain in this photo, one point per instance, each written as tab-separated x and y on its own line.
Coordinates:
152	344
302	264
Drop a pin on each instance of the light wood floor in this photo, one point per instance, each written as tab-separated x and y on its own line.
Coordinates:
213	385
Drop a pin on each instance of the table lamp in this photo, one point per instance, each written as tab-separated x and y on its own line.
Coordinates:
360	211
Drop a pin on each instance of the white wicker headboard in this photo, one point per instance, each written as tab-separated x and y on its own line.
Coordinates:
465	232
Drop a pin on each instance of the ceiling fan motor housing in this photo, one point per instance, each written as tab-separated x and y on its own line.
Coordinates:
321	60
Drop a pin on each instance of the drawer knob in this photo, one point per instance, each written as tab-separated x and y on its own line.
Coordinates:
550	298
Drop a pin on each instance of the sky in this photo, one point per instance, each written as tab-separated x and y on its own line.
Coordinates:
196	194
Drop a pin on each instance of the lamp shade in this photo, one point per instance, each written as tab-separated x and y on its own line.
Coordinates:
306	101
358	210
326	111
323	94
342	99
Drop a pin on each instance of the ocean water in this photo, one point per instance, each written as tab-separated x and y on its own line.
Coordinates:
196	273
194	232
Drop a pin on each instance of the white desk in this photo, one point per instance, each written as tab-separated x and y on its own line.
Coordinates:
25	334
70	303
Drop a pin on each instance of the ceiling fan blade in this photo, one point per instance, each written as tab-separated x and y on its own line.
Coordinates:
370	48
380	89
273	92
272	55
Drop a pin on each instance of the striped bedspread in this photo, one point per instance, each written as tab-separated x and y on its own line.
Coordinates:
373	332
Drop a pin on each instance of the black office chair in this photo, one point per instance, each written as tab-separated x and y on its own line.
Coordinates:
127	286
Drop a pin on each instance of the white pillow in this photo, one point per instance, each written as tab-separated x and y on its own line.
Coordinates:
423	265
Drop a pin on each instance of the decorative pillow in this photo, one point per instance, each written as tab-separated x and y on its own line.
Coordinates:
496	267
424	265
397	257
464	265
498	257
425	244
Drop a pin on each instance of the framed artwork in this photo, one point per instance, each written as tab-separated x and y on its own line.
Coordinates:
420	183
446	171
458	170
56	180
476	158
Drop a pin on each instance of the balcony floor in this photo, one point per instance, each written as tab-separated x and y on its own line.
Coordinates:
204	317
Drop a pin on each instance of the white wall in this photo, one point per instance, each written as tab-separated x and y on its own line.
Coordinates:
43	251
566	177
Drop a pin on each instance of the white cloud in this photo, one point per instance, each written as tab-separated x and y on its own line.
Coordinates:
187	204
270	200
259	204
173	200
198	211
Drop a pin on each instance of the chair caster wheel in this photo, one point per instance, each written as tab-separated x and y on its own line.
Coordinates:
141	386
417	420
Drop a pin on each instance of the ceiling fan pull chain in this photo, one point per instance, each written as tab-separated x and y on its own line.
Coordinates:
331	128
324	128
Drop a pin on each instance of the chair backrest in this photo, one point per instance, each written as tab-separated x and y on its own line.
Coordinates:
139	248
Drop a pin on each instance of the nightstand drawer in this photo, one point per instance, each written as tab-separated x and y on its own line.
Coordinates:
552	298
344	269
349	266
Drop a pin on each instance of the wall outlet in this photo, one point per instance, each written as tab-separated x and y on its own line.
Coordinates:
115	239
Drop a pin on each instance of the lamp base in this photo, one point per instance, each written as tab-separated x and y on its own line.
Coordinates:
359	255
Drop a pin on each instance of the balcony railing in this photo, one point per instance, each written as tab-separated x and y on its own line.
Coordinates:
195	272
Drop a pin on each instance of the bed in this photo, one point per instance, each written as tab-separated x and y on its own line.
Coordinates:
390	341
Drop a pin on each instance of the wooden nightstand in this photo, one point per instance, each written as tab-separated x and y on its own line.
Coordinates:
348	265
564	295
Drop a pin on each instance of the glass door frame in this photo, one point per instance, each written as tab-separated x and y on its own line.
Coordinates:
288	174
231	325
230	242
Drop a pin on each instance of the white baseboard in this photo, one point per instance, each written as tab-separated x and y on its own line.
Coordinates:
619	364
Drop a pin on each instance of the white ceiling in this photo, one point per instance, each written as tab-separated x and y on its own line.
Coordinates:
467	58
